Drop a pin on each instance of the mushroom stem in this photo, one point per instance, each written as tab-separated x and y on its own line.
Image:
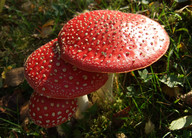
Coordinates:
106	91
83	104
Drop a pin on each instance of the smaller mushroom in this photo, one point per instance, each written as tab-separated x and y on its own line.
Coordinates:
50	112
51	76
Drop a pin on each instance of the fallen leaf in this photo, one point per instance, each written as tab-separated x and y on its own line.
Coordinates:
187	98
121	135
149	127
181	123
25	123
42	9
28	6
171	92
48	23
24	111
47	29
14	77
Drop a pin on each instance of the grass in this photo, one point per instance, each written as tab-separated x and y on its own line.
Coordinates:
146	94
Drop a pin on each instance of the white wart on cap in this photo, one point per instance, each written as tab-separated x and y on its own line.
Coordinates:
112	41
50	76
50	112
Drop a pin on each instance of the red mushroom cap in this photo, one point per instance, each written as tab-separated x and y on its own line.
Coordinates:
50	76
112	41
50	112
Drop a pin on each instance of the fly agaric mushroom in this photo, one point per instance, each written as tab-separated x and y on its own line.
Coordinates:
112	41
50	76
50	112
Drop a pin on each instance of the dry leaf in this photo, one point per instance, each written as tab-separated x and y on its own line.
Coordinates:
42	9
171	92
28	6
149	127
121	135
24	111
187	98
47	29
14	77
49	23
25	122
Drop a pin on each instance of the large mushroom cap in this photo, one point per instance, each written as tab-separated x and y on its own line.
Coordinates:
50	112
112	41
50	76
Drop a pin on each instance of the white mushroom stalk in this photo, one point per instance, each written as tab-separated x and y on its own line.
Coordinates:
106	91
83	105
